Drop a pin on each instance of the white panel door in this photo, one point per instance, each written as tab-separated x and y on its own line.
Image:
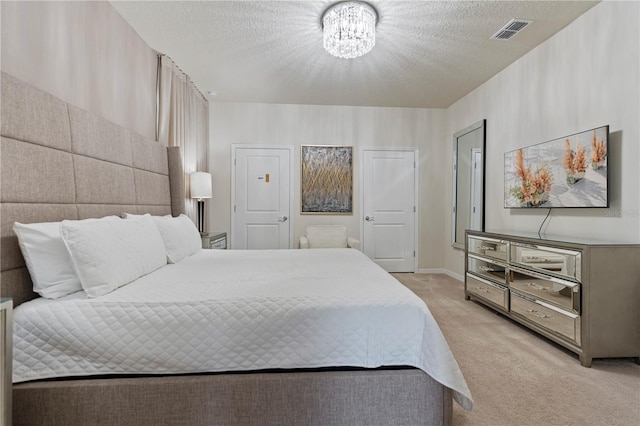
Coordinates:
261	198
389	213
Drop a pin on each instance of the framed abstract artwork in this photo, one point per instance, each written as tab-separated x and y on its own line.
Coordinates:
326	179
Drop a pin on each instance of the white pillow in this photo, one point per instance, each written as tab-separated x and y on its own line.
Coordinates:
47	258
109	254
181	237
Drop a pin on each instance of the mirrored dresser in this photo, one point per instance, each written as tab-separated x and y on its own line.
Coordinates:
583	295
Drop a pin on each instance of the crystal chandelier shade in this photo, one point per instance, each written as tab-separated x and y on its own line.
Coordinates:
349	29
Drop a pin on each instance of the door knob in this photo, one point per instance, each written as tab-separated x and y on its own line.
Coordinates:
369	219
282	219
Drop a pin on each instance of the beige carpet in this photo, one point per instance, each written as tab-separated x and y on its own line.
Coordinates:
519	378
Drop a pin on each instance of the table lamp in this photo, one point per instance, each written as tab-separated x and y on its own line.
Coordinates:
200	188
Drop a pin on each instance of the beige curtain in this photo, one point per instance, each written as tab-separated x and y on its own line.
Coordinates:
183	120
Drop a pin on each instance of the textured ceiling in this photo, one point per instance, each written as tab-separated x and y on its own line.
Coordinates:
428	53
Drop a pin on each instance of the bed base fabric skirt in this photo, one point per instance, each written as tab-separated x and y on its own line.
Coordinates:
358	397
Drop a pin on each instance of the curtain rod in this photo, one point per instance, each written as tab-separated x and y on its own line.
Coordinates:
160	55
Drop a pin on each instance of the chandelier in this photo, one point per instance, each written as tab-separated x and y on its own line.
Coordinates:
349	29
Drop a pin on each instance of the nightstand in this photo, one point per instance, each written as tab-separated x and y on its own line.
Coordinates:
6	359
214	240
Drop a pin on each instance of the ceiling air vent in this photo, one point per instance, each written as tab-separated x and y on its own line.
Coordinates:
512	28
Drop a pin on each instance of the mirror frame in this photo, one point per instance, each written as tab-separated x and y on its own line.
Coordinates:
457	241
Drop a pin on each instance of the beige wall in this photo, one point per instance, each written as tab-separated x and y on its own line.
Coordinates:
585	76
269	124
84	53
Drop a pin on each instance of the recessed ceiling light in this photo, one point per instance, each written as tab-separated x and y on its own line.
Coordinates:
212	93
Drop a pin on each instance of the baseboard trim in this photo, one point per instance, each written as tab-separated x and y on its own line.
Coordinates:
441	271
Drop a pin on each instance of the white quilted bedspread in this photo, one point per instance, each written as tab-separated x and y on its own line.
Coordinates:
226	310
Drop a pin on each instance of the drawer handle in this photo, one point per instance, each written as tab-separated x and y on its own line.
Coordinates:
482	289
488	269
538	314
537	286
539	259
486	248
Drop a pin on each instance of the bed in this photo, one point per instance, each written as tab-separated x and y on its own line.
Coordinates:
59	162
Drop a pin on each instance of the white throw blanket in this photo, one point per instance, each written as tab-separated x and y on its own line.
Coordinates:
226	310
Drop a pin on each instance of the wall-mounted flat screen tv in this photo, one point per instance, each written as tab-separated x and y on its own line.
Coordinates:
571	171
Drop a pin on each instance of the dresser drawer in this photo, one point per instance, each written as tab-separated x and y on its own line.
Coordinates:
559	262
562	323
487	247
562	293
216	240
219	244
487	290
490	269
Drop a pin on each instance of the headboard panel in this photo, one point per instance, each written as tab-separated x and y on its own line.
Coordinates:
60	162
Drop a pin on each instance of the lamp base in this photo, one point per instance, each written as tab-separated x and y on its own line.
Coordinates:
201	217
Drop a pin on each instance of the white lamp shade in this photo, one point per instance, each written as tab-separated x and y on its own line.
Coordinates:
200	186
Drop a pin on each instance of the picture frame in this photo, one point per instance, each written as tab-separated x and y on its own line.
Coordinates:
326	179
568	172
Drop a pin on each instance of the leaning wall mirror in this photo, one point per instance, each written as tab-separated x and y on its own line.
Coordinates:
468	182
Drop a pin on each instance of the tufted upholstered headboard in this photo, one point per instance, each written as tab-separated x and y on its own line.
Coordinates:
60	162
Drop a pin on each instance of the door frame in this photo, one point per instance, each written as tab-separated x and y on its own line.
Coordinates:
416	192
236	146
